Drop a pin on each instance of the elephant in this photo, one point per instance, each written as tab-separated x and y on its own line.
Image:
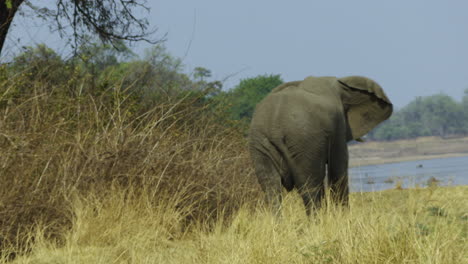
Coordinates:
299	134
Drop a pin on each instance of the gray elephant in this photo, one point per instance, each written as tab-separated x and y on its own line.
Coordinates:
299	133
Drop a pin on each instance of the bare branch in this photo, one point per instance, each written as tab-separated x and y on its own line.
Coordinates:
111	20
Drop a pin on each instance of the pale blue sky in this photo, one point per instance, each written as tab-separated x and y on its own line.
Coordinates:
412	48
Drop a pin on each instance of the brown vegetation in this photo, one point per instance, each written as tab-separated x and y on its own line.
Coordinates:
56	148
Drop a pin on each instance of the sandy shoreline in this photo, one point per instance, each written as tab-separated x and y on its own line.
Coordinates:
356	162
372	153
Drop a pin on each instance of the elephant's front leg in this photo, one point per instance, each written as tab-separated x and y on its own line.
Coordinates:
338	172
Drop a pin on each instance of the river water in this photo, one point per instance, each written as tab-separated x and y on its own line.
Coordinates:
444	172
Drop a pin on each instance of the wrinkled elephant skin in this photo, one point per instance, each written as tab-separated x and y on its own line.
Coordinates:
299	133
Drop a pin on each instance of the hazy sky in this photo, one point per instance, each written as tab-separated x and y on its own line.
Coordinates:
412	48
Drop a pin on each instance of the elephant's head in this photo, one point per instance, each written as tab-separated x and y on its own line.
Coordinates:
365	104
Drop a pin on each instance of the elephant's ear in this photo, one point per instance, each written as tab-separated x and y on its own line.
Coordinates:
372	107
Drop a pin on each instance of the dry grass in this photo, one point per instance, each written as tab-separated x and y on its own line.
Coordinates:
411	226
90	179
56	146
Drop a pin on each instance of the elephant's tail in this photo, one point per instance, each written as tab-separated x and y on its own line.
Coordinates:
278	154
290	171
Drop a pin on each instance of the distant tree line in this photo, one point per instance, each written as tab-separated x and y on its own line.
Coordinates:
158	77
95	67
435	115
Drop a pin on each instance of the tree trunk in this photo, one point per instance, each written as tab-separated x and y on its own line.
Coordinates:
6	17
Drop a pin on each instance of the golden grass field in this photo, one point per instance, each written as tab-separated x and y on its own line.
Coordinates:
93	179
397	226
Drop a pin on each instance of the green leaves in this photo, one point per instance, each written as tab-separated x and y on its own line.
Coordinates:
248	93
8	4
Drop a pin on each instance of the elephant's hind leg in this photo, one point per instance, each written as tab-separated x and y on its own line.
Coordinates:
309	181
269	179
312	195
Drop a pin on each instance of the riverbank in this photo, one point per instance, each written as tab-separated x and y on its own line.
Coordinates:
372	153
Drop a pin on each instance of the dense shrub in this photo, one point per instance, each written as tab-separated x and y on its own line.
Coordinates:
57	144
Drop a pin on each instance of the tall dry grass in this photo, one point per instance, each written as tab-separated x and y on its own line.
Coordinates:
57	147
409	226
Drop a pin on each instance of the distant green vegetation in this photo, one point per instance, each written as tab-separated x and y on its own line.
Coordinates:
242	99
98	67
436	115
158	76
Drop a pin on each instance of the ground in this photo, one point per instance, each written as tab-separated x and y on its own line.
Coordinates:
427	225
370	153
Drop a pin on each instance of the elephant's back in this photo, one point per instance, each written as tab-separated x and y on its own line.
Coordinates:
295	109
